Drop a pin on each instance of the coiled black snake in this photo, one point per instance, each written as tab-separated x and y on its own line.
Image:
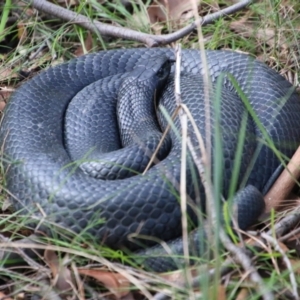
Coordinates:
39	169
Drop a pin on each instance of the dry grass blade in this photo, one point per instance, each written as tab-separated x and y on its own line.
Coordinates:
280	249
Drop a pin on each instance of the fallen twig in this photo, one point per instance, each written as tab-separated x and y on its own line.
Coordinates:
150	40
290	235
20	253
183	193
285	224
284	184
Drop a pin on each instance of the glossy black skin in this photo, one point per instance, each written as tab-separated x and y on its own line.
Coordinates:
41	171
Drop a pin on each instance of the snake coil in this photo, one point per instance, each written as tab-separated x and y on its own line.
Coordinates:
39	168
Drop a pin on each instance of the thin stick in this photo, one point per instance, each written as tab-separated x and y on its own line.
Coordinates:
285	224
150	40
284	184
183	193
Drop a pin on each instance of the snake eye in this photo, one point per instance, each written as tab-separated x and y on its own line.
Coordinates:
161	72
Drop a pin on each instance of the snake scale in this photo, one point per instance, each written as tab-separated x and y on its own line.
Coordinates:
42	178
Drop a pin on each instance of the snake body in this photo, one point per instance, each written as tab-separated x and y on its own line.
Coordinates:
39	169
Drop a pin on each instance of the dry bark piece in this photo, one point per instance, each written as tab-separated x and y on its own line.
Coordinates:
284	184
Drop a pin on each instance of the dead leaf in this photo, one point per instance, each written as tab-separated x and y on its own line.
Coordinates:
21	5
296	265
169	10
88	45
4	296
179	275
6	74
243	294
115	283
283	247
61	274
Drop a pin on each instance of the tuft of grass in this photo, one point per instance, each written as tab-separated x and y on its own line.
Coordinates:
4	19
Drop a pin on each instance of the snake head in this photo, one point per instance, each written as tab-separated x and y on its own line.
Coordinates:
152	73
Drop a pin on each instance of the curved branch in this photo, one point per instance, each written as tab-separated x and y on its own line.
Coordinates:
149	40
172	37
